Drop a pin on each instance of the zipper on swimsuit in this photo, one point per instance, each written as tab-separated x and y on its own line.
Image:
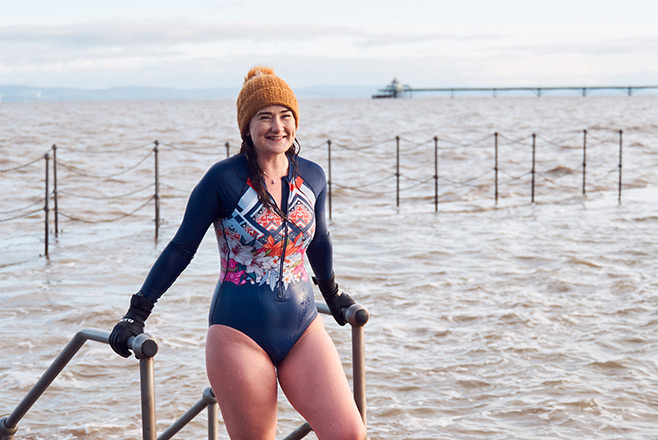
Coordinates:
280	294
279	291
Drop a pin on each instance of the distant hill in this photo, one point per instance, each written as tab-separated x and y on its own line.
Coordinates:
20	93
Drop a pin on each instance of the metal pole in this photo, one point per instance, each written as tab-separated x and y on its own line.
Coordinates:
620	149
51	373
143	345
213	414
208	400
496	167
533	168
359	369
55	190
397	171
584	158
148	398
329	170
157	191
436	174
299	433
46	209
44	381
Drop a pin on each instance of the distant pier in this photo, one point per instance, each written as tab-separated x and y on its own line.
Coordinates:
397	90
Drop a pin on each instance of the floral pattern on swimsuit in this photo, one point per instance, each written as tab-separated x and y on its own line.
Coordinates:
260	247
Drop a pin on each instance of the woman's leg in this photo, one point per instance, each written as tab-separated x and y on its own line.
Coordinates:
243	378
313	379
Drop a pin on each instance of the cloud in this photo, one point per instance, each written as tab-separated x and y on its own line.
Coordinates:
186	52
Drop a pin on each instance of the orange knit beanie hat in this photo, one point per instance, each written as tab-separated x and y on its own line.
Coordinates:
262	88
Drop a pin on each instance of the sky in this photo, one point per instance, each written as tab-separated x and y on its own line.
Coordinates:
424	43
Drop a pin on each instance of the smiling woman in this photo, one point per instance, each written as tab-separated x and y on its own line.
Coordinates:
264	326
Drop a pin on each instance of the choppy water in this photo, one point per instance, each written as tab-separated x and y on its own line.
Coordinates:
507	321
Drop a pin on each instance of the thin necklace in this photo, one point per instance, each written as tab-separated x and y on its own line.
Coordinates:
272	181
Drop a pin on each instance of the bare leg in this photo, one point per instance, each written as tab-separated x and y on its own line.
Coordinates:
313	379
243	378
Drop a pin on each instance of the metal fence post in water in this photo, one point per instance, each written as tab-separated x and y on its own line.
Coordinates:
620	148
55	190
329	171
534	137
46	209
584	157
436	174
397	171
156	197
496	167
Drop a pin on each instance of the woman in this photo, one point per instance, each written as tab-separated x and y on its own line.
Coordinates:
267	208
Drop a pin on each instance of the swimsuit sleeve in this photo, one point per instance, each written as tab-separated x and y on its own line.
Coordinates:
202	209
320	251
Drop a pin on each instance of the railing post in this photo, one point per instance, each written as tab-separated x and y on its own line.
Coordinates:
397	171
496	167
534	137
359	369
157	190
208	401
620	150
436	174
213	414
329	176
55	190
358	316
148	398
46	209
584	158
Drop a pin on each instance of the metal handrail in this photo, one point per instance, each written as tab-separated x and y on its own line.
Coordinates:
145	348
357	316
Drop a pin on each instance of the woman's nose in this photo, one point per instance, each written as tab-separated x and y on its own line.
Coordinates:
277	124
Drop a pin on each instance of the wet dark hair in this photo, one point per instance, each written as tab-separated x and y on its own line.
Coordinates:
256	173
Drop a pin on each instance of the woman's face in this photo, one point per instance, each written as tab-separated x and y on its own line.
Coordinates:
272	130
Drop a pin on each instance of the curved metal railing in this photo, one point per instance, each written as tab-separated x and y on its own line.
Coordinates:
145	348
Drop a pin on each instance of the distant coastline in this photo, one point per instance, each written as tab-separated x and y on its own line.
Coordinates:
22	93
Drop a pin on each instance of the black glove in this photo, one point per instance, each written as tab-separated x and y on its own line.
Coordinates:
130	325
336	299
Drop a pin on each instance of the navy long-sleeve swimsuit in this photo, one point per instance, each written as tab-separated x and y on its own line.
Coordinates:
263	288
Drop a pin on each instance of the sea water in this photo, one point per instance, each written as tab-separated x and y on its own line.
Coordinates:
532	315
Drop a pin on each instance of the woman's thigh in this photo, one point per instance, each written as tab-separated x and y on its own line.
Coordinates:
243	378
313	379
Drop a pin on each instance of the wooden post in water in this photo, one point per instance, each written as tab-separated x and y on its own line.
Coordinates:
620	148
227	149
45	207
534	137
496	167
584	158
157	191
397	171
329	170
436	174
55	190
